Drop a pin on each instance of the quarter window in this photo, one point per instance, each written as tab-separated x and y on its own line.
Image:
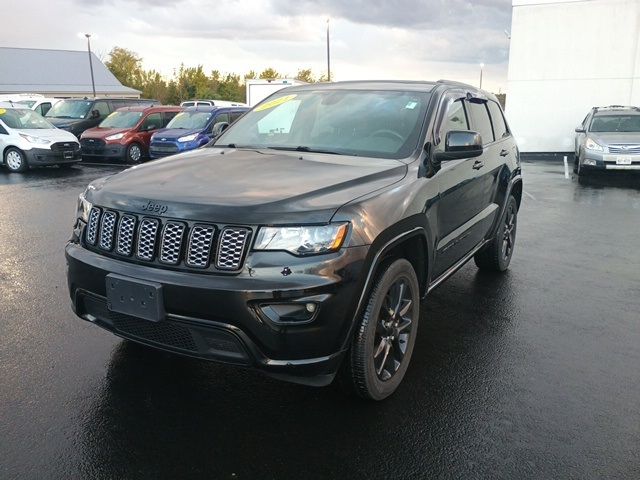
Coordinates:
152	122
499	125
481	121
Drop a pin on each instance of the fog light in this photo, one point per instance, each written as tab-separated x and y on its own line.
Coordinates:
289	312
311	307
589	161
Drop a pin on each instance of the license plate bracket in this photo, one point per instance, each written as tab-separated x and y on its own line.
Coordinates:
134	297
623	160
67	154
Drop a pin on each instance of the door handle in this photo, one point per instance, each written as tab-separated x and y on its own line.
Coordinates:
478	164
504	153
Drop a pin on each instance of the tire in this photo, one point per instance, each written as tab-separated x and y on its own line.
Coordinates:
134	153
576	163
497	255
15	160
383	343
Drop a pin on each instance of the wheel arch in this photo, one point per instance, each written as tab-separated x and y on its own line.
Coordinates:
9	147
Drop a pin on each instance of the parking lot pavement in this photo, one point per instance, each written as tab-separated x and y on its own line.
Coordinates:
532	374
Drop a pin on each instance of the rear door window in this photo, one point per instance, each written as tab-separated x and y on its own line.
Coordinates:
102	107
497	119
43	108
235	116
167	117
480	120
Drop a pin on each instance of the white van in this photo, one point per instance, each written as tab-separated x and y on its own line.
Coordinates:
28	140
211	103
34	101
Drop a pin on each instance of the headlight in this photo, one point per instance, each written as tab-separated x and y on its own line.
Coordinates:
303	240
188	138
32	139
84	206
592	145
116	136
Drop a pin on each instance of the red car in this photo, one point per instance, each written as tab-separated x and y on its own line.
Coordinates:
124	135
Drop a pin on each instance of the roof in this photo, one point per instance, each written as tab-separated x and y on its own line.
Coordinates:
39	70
153	108
616	110
418	86
208	108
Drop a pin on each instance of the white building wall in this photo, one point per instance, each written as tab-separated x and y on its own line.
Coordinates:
565	57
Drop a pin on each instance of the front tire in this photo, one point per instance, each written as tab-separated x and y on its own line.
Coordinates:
15	160
496	256
134	153
383	344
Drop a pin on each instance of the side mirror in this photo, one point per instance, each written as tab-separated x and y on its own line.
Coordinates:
95	114
461	144
580	129
218	128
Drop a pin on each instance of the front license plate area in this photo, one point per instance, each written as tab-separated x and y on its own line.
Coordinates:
623	160
137	298
68	154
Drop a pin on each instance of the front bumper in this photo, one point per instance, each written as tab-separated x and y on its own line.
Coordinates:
219	317
45	156
108	150
592	160
164	149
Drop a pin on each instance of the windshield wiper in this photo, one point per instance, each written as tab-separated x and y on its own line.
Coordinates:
303	148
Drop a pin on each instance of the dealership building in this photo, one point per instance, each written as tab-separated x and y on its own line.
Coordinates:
567	56
57	73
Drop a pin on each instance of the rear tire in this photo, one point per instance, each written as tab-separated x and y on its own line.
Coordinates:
496	256
383	343
15	160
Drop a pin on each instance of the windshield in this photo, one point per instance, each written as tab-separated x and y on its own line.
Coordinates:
21	118
70	109
121	120
27	103
615	123
384	124
190	120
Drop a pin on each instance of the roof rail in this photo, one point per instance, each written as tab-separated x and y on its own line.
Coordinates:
453	82
616	107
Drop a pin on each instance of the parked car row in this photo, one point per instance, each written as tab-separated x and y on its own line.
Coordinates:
126	130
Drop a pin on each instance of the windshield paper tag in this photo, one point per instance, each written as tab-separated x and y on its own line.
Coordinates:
411	105
2	111
274	103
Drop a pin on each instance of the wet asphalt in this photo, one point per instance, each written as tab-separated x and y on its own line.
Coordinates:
534	374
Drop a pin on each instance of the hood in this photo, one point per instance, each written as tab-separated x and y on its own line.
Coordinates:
51	134
64	122
606	138
247	186
98	132
174	133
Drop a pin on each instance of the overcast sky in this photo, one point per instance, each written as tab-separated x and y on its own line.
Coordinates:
371	39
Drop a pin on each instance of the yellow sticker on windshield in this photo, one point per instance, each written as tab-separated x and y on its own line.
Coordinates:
274	103
2	111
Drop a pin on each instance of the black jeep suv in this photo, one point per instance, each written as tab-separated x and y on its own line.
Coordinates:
302	241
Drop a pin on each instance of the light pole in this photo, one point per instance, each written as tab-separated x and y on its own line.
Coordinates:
328	55
481	67
93	83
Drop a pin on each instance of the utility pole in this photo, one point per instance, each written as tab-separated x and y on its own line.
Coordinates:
328	55
93	83
481	67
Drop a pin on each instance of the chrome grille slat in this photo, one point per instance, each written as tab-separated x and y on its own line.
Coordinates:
231	247
147	237
92	226
107	229
126	232
629	149
171	243
200	241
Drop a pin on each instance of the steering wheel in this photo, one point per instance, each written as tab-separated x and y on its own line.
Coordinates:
383	132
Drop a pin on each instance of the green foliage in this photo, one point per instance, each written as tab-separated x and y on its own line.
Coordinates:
187	82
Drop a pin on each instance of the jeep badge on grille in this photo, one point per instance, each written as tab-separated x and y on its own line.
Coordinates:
155	207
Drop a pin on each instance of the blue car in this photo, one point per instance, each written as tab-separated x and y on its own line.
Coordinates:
191	129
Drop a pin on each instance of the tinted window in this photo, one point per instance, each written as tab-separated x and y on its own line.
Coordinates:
235	116
43	108
222	117
102	107
480	120
167	117
455	119
152	122
499	125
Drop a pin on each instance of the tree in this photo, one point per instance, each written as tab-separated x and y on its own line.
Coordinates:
305	75
269	74
126	66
